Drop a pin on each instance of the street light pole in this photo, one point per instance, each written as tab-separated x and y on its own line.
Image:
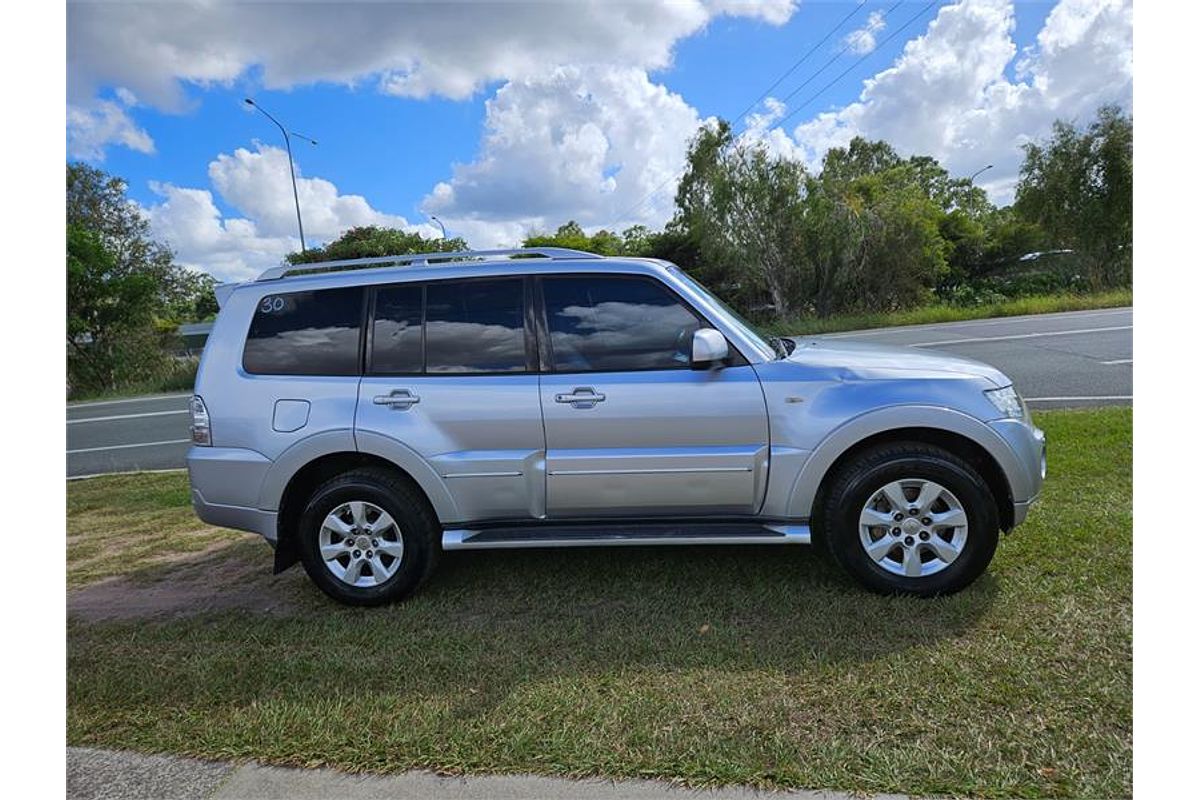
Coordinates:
440	225
287	140
977	173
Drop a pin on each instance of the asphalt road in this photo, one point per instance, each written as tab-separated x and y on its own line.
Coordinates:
1081	358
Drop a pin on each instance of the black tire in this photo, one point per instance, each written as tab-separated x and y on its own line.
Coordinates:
415	520
864	475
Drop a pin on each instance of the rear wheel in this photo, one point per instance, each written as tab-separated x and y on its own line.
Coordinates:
368	537
911	518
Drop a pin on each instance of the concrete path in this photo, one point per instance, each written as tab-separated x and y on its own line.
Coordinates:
102	774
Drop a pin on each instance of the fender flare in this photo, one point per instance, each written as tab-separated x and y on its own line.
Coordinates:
407	459
309	449
872	423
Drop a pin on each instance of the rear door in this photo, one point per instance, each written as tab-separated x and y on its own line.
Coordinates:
451	374
631	429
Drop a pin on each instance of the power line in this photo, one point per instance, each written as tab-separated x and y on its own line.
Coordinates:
836	56
791	94
749	108
802	59
847	71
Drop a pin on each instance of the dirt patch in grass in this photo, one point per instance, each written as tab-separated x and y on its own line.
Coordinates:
223	577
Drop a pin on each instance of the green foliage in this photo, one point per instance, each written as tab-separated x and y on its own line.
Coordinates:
1078	187
602	242
873	232
372	241
125	294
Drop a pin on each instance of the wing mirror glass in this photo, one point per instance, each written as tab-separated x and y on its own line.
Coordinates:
709	348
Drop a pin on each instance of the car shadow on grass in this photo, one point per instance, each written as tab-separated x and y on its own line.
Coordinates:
489	619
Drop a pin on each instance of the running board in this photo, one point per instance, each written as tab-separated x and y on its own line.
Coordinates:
622	535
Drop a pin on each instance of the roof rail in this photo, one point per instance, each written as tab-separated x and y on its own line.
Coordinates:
420	259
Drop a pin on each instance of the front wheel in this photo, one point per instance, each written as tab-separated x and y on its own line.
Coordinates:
368	537
911	518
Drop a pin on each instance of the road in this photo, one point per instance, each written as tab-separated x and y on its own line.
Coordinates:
1080	358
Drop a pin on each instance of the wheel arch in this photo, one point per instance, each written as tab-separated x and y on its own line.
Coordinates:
310	463
305	481
959	433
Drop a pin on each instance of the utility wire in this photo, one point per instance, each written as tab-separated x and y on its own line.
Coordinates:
848	69
836	56
796	65
791	94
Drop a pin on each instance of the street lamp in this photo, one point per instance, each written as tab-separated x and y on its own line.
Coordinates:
440	225
977	173
287	139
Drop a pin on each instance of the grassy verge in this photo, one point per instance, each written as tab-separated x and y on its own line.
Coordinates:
128	524
709	665
1044	304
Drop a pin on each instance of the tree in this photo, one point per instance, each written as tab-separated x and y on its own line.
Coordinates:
96	202
744	207
572	235
1078	187
125	293
372	241
109	313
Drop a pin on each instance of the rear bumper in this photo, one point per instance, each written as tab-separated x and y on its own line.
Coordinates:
241	518
225	485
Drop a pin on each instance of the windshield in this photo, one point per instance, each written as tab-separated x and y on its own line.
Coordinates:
768	348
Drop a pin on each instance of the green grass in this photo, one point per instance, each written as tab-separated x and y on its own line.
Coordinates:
1042	304
716	665
128	524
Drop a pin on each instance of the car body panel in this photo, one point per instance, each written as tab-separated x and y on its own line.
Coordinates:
481	434
694	439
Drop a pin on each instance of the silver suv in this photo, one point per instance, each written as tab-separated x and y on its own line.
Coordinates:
363	416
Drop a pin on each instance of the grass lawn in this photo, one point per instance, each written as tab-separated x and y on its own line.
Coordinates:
1042	304
712	665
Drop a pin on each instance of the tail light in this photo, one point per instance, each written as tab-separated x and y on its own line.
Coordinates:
201	432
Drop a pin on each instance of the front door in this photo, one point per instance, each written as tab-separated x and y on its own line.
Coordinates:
451	376
631	429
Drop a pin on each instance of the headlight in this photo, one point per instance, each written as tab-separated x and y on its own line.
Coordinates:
1007	402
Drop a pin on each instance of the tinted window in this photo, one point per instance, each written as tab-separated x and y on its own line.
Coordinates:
305	333
475	326
616	324
396	334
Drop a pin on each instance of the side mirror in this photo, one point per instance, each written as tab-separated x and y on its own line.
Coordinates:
709	348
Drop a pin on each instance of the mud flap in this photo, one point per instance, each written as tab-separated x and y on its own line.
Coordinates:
286	553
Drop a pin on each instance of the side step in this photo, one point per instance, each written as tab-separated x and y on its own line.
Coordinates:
624	535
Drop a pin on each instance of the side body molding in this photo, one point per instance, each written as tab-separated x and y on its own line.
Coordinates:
853	431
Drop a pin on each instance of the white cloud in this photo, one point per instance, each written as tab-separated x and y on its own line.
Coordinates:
410	50
585	142
862	40
258	186
948	94
95	125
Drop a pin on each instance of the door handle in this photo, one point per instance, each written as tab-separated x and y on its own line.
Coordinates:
581	397
397	400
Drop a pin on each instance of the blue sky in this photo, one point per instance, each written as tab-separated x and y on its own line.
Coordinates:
499	133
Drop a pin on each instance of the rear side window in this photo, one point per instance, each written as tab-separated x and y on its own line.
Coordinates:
396	341
616	325
305	333
475	326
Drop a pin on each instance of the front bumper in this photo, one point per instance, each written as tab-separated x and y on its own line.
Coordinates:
1028	444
